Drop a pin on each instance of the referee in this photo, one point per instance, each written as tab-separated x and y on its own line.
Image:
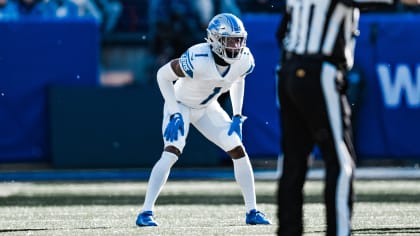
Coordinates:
317	38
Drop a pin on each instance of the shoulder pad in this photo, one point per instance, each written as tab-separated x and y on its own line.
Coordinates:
194	58
250	61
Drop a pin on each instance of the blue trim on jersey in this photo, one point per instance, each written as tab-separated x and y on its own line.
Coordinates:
186	64
202	55
226	71
251	68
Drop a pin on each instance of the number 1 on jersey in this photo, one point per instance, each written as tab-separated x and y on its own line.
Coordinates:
216	90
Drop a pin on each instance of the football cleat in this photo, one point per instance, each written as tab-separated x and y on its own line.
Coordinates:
255	217
146	219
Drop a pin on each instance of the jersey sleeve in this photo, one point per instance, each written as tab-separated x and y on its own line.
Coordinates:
250	65
186	64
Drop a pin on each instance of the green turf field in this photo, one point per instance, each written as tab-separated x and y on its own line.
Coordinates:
192	208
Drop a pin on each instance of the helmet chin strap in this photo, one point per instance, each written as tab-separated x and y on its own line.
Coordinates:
219	61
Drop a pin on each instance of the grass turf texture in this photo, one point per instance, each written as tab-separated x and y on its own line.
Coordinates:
193	208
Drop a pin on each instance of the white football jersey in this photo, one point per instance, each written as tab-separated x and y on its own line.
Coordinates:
203	82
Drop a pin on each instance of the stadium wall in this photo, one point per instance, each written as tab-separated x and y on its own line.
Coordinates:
384	87
114	128
52	108
36	54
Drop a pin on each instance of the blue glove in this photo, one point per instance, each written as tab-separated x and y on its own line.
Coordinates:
236	125
175	123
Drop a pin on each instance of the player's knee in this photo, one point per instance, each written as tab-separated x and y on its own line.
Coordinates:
174	150
236	153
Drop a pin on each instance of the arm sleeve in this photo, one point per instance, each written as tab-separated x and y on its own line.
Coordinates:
165	78
237	96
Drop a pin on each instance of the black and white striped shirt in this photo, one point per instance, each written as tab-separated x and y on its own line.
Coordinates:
325	28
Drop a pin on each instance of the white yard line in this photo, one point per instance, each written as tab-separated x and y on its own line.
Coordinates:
360	173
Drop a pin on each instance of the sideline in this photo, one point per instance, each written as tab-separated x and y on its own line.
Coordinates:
194	174
366	173
106	175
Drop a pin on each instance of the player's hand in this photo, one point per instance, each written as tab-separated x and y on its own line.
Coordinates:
175	123
236	125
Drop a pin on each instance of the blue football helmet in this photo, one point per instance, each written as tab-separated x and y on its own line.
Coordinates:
227	36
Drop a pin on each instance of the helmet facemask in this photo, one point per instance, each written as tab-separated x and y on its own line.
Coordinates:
233	47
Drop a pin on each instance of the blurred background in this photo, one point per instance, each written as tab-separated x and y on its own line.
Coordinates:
78	90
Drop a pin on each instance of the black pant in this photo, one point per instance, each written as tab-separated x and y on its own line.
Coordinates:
314	111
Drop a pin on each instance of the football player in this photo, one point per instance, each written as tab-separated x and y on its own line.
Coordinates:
190	86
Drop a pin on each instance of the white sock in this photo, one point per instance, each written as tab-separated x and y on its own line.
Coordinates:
158	178
244	176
